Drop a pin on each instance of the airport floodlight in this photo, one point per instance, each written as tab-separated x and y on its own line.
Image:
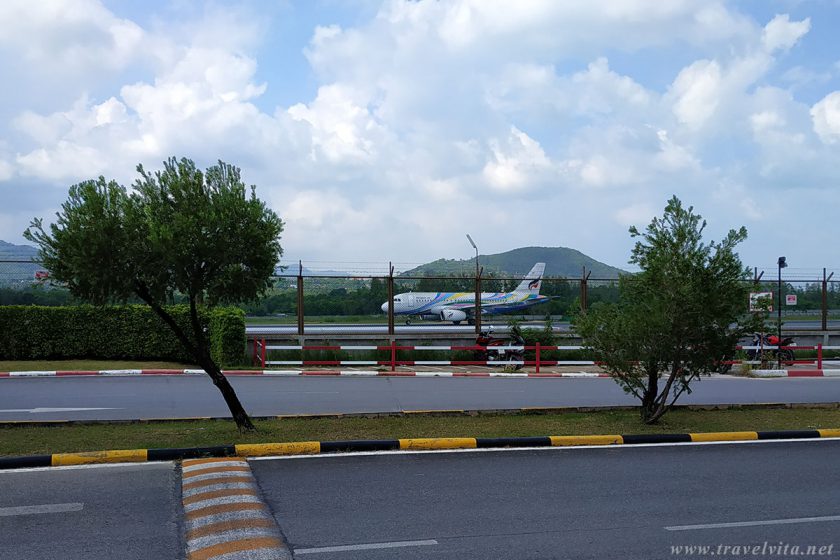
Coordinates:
472	242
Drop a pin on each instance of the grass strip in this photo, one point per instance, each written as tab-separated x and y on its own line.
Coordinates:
30	440
86	365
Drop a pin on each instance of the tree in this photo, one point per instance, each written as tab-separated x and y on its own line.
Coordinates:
678	317
180	231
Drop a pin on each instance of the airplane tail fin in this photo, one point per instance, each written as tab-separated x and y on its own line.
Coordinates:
531	283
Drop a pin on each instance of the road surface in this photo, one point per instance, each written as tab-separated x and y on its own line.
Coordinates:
123	398
585	503
621	502
102	513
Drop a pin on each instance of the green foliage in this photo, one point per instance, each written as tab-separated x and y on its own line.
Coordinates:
128	332
675	317
227	335
180	231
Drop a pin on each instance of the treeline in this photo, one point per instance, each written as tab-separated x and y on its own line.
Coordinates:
346	297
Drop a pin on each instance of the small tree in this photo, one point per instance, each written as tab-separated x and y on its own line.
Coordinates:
179	231
678	317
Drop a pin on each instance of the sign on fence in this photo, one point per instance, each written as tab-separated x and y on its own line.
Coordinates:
790	299
761	301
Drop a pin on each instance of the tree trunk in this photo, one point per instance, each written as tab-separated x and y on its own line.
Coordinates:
201	352
243	422
649	398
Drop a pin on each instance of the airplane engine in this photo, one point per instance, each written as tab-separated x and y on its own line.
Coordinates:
454	315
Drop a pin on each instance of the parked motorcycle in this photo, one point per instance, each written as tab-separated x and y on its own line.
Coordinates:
761	340
488	352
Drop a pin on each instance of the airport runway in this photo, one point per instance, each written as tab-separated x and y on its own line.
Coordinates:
576	503
420	327
122	398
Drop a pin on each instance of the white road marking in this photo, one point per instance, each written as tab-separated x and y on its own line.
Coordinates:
46	508
149	465
370	546
755	523
45	410
572	448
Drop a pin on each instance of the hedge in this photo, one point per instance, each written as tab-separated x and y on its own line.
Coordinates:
125	332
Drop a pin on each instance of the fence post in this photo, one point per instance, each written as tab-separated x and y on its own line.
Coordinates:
478	272
393	355
819	356
391	299
254	353
300	310
537	356
825	300
263	353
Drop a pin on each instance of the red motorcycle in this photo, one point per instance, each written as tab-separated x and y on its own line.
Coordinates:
489	353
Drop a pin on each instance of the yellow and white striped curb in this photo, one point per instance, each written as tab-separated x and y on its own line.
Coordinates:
225	516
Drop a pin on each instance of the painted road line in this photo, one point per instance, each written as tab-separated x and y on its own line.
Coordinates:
224	513
370	546
45	508
49	410
823	519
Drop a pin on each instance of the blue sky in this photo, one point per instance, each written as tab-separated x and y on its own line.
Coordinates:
385	131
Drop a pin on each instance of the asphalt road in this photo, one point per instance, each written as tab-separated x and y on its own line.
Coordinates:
530	505
137	397
126	512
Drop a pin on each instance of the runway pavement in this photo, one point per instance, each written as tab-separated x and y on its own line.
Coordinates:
100	398
578	503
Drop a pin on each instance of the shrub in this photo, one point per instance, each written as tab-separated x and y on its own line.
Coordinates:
125	332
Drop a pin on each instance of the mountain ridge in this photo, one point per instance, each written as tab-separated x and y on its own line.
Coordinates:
559	262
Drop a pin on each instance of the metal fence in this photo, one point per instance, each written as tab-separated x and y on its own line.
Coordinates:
310	293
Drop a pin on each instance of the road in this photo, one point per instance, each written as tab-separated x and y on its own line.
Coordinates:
122	398
126	512
585	503
621	502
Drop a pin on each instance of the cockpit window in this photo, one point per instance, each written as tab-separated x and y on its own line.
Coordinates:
397	300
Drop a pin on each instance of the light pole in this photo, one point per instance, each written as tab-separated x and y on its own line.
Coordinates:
782	264
477	288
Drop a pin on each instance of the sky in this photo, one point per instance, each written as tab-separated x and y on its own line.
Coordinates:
387	130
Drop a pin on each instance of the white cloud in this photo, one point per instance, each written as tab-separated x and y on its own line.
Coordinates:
826	116
434	116
782	34
516	164
697	91
635	215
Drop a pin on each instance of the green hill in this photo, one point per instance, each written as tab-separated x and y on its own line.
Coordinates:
559	261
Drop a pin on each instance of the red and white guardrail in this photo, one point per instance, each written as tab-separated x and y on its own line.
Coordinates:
290	373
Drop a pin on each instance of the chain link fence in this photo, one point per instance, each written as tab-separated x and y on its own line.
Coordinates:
355	292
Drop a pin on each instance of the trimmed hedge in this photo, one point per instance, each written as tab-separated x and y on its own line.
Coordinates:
125	332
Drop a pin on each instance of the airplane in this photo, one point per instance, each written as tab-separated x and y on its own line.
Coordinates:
460	306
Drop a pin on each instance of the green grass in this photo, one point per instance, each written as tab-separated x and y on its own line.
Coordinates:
86	365
27	440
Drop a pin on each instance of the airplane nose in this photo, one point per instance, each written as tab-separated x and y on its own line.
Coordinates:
384	307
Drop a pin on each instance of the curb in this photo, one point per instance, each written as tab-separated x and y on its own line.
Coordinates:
796	372
416	444
287	373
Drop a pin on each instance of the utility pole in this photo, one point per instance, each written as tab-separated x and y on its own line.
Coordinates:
477	288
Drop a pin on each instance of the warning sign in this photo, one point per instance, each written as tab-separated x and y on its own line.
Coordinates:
790	299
